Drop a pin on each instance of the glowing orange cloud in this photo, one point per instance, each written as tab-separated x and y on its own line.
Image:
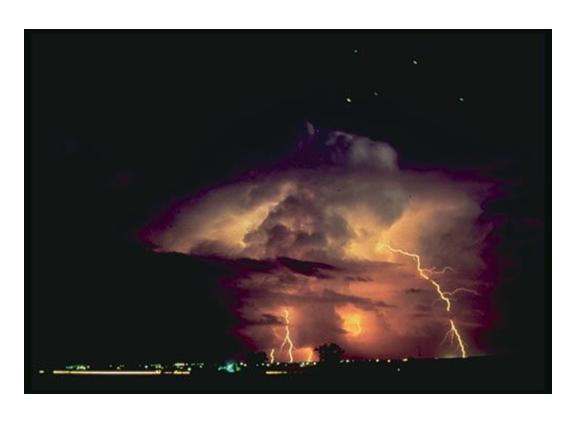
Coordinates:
339	222
352	325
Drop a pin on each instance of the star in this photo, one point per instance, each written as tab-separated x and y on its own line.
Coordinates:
376	93
348	100
460	99
356	51
415	62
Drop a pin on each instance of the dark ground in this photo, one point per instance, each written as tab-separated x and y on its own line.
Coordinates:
473	375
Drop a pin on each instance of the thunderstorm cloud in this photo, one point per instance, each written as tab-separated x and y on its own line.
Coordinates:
315	238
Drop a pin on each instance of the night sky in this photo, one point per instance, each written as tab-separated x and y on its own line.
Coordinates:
124	127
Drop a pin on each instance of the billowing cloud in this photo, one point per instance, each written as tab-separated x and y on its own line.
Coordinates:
316	242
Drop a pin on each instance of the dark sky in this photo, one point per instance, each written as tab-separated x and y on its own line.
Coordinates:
123	124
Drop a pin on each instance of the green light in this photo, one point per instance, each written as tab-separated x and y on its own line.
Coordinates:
230	367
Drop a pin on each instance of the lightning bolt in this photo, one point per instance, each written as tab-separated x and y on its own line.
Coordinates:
287	339
453	332
423	274
272	355
310	354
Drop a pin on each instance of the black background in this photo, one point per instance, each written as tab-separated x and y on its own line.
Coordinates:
122	124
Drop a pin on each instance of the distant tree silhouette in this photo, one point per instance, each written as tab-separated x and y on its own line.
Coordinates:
329	353
255	358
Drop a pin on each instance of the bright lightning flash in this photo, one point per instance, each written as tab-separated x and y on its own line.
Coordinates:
287	339
453	332
423	274
443	295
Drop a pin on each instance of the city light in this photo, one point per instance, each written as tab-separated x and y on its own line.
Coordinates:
104	372
230	367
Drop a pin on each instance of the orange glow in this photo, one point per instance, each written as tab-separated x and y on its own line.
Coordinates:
362	329
353	324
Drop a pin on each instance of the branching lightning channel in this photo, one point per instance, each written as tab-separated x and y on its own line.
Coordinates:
287	339
457	290
433	270
453	332
423	274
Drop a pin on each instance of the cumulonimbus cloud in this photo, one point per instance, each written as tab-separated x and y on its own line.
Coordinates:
319	226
